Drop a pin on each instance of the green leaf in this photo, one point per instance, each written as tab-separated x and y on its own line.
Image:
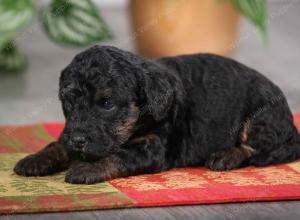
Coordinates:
74	23
255	11
15	14
4	37
10	58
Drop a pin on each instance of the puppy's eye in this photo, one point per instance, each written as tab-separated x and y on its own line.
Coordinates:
106	103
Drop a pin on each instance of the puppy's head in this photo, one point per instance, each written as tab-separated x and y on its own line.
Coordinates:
104	93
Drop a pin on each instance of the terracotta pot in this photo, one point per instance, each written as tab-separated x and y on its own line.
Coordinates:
172	27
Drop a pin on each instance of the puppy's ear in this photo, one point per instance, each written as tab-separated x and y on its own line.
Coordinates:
157	93
156	85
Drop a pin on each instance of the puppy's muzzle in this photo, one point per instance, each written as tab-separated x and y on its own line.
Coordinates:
79	142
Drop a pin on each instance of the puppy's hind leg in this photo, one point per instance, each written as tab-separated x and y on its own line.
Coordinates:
233	157
274	138
229	159
286	152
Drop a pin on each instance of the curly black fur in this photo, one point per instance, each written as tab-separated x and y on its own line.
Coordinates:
127	115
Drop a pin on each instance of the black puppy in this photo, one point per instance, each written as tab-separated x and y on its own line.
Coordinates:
127	115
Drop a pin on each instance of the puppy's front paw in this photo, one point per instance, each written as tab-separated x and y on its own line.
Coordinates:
33	165
83	173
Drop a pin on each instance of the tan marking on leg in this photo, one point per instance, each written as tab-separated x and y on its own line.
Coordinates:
241	153
247	150
101	170
111	168
148	137
245	132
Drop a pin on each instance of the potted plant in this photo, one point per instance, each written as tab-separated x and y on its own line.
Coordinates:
172	27
71	23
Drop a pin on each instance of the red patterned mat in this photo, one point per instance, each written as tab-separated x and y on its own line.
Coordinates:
174	187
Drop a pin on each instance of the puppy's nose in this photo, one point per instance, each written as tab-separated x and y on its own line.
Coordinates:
79	142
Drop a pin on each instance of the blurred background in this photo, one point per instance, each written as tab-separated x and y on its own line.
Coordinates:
39	38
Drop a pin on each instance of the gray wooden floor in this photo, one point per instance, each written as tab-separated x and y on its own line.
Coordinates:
241	211
32	97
